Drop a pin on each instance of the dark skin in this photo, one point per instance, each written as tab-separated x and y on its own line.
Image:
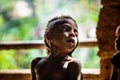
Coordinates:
115	75
61	37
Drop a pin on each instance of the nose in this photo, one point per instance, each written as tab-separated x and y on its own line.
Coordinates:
72	33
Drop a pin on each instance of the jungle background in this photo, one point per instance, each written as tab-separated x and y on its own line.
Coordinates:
25	20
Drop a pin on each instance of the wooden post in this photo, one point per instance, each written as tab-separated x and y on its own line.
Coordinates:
109	19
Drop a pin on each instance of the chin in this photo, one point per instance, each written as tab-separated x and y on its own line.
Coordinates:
69	50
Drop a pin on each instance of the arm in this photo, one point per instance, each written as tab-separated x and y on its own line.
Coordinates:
74	69
33	64
114	73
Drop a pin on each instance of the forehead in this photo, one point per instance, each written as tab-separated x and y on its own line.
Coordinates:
60	22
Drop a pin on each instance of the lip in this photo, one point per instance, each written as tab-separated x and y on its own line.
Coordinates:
71	40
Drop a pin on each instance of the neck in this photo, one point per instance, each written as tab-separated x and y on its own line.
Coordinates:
59	58
58	53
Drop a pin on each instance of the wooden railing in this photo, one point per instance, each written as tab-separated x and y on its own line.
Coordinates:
88	74
39	44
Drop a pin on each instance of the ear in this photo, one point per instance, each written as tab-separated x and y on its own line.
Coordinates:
48	35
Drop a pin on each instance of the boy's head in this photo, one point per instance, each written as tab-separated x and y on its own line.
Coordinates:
59	32
117	40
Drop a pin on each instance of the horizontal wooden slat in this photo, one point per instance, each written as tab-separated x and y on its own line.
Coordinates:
88	43
25	74
15	71
27	71
39	44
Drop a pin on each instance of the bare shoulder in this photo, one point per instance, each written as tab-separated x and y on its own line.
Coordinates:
74	68
36	60
74	63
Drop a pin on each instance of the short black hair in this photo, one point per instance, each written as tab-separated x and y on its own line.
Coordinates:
60	17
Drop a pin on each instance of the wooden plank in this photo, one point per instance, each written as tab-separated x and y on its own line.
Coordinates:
25	74
22	45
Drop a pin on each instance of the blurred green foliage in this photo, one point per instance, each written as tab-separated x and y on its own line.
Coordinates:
14	28
24	60
17	59
19	29
7	59
88	57
92	59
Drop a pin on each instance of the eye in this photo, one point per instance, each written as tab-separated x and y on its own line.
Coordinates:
76	32
66	28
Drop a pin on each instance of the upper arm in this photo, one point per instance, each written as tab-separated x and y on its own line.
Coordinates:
74	69
33	64
114	73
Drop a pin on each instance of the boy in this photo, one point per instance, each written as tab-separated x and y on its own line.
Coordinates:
61	38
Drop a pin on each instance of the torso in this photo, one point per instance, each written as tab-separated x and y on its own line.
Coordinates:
51	70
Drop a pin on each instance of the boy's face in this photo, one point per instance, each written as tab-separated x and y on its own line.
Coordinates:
64	35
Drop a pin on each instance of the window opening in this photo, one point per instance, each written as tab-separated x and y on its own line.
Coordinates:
26	20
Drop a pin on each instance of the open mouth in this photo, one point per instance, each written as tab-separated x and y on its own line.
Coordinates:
71	41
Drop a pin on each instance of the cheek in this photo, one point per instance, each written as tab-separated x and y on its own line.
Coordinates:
57	36
66	34
60	35
76	41
54	34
